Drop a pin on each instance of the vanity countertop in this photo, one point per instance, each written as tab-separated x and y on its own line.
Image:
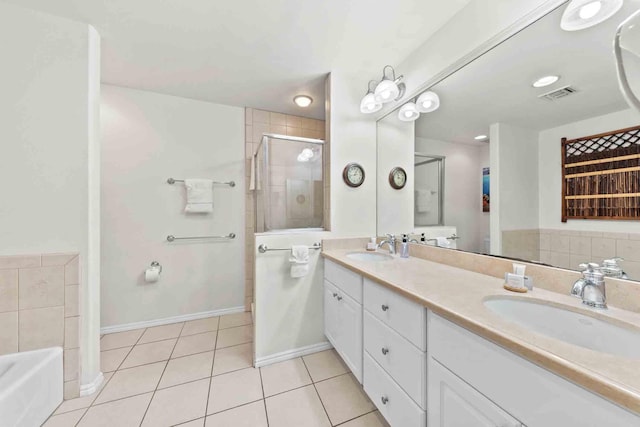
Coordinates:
457	295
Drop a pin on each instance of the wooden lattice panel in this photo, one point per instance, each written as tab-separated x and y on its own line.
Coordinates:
601	176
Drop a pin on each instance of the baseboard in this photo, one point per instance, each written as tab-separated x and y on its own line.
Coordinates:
292	354
93	386
169	320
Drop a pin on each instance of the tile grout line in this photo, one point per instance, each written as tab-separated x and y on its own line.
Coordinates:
355	418
316	389
161	375
213	361
264	397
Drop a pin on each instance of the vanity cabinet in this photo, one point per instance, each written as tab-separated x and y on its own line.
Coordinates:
343	314
454	403
395	364
473	381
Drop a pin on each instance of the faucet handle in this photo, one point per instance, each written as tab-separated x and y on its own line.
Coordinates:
588	266
391	236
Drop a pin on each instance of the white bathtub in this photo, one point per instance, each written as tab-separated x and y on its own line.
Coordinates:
31	385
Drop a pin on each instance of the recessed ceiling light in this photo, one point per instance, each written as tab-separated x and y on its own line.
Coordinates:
480	137
545	81
303	100
581	14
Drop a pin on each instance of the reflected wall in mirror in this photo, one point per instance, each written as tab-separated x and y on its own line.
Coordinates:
523	126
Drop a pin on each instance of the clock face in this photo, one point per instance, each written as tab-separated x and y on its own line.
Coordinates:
353	175
397	178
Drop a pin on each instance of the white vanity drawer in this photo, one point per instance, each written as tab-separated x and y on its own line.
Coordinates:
394	404
406	317
345	279
398	357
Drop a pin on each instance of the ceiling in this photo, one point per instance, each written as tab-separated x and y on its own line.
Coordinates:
497	87
250	52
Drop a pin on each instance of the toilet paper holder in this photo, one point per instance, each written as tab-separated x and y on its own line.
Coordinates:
156	264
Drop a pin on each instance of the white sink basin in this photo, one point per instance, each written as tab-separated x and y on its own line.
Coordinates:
569	326
369	256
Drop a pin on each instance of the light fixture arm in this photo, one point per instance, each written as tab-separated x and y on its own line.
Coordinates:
369	90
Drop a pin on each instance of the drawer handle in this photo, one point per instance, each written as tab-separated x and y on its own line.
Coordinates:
385	351
385	307
384	400
339	298
335	294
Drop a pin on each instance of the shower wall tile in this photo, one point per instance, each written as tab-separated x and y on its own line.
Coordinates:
39	307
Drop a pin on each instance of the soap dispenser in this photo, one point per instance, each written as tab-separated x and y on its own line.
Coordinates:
404	247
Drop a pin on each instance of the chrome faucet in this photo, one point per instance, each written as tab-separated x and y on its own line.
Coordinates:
610	268
391	241
591	287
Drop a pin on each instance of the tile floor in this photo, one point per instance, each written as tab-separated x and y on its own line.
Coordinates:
199	373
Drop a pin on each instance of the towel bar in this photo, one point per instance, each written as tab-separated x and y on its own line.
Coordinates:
263	248
171	238
229	183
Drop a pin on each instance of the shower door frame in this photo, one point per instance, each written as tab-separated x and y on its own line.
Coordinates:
441	169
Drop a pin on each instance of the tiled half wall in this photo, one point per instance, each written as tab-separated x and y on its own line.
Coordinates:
568	248
39	308
258	122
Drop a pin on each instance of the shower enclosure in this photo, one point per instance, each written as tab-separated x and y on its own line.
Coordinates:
429	190
287	177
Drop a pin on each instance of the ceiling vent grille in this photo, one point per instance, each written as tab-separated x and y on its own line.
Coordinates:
558	93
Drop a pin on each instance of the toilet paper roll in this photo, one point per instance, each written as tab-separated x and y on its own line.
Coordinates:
152	275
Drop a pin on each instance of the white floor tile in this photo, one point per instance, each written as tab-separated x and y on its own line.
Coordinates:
122	413
343	398
186	369
234	389
193	344
201	325
120	339
159	333
175	405
233	358
300	407
284	376
110	360
251	415
325	364
236	319
132	381
234	336
68	419
143	354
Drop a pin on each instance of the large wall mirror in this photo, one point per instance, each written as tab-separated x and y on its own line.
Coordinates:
500	137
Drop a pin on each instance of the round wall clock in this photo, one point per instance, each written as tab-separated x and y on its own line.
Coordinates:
353	175
397	178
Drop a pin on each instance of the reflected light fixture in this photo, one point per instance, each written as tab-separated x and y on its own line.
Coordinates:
581	14
408	112
428	102
305	155
481	137
390	88
369	104
303	100
545	81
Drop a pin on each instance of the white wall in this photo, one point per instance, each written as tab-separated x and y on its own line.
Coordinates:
50	92
289	312
395	148
147	138
463	189
550	176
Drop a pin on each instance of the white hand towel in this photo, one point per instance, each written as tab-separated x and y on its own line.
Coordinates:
299	261
443	242
423	201
199	195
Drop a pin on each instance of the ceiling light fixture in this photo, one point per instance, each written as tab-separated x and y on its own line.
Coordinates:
481	137
303	100
581	14
428	102
545	81
305	155
369	104
408	112
390	88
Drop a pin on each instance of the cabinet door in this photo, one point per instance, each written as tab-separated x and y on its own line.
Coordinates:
350	334
331	321
454	403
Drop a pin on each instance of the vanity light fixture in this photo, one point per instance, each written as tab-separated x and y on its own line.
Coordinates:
369	104
581	14
390	88
545	81
408	112
303	100
427	102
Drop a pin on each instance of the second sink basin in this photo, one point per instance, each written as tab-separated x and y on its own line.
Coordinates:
369	256
569	326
